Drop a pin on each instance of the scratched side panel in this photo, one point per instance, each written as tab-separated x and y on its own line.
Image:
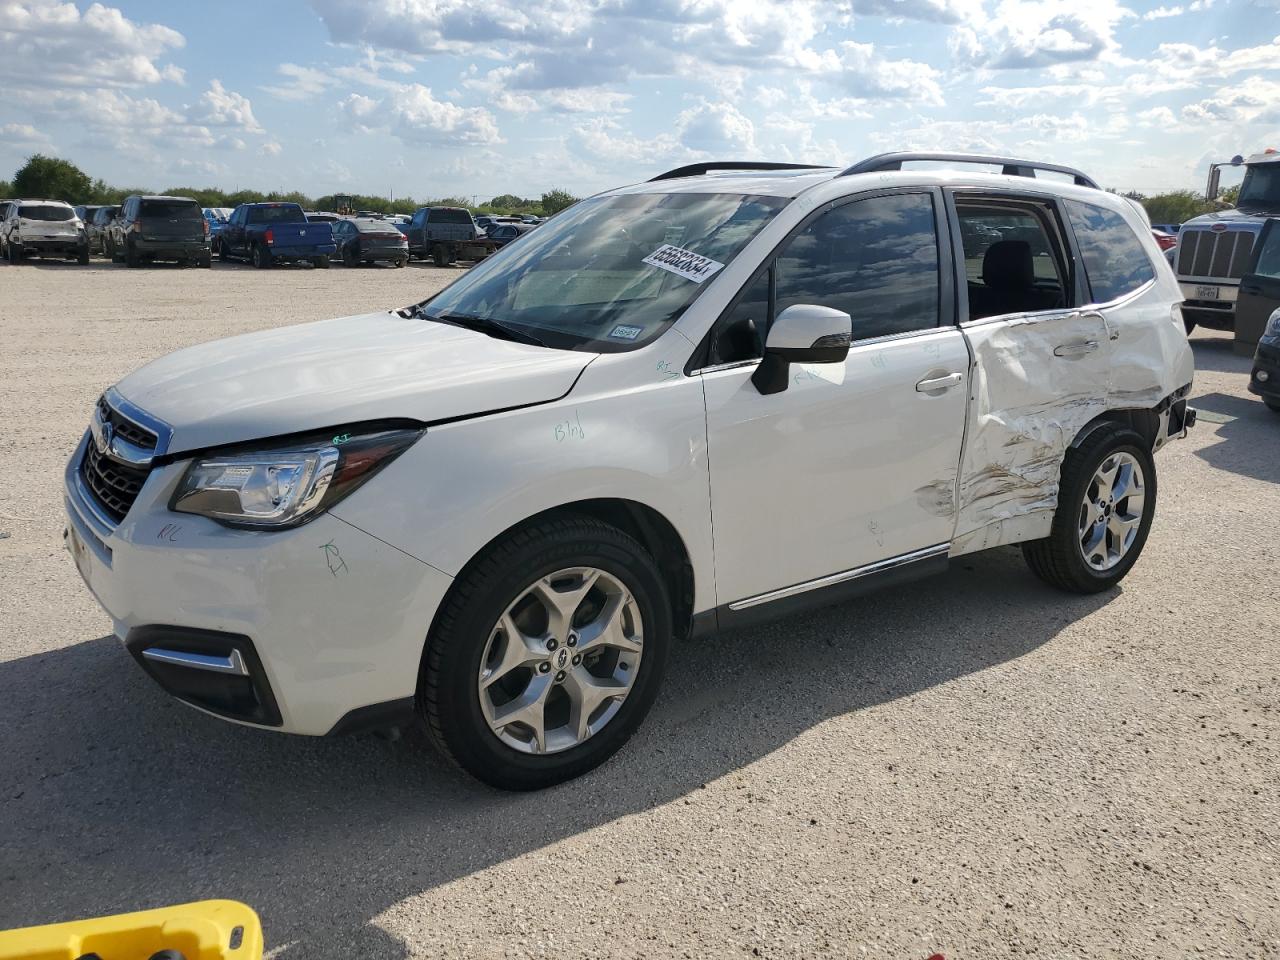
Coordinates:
1026	406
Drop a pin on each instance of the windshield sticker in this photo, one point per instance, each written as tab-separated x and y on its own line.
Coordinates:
625	331
683	263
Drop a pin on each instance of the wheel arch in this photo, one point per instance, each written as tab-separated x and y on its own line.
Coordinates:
1145	422
638	520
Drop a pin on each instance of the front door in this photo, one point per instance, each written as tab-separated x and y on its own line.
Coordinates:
853	463
1259	288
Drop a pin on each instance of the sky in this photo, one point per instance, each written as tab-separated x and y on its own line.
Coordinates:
435	98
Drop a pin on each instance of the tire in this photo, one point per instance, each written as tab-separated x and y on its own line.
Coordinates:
441	255
449	688
261	257
402	262
115	254
1060	558
320	263
1272	405
16	253
205	261
82	257
224	255
348	258
130	256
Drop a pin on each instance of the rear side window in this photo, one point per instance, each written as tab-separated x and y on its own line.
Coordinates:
1114	259
45	211
172	209
1012	260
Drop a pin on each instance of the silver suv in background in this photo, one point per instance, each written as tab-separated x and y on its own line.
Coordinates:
43	228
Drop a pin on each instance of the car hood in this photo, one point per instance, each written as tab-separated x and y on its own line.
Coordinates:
1232	217
320	375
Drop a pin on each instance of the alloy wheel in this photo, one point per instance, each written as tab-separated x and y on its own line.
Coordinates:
560	661
1111	512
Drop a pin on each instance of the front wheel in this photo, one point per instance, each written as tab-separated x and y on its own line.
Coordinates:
547	654
1106	502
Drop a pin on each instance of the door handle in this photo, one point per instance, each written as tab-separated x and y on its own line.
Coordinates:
1071	350
937	384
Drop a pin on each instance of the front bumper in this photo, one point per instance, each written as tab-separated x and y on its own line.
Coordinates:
327	620
1266	360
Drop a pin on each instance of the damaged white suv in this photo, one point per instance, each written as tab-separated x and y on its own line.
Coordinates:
721	395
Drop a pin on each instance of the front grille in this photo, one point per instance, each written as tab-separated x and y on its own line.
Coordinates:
126	429
114	485
1204	253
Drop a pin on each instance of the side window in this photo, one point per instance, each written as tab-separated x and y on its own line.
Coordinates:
875	259
1114	259
1013	260
1269	253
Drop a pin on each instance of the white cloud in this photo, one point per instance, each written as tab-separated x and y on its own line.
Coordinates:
51	44
865	74
936	11
1039	34
220	107
413	114
1161	13
272	149
299	82
717	129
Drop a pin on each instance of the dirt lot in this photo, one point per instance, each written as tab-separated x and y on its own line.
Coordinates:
974	765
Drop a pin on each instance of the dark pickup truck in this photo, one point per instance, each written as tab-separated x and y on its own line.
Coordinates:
447	234
268	233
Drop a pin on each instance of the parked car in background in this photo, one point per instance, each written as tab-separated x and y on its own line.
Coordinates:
4	210
1165	241
368	241
96	229
216	217
321	216
1167	227
504	233
86	211
270	233
447	234
1265	380
43	228
493	510
150	228
484	221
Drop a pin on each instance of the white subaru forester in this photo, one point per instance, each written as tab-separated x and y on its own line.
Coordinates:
721	395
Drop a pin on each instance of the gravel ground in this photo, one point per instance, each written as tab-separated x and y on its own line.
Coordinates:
973	765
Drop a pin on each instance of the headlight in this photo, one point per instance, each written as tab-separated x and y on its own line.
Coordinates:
1273	325
283	486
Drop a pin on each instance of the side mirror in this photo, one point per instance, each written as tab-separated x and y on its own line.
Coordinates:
803	333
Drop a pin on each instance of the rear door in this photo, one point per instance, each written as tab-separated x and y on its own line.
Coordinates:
1260	287
1040	362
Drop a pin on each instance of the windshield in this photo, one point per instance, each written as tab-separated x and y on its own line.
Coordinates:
609	274
277	213
1261	188
171	209
45	211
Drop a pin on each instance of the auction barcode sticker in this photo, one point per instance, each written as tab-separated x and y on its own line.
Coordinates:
683	263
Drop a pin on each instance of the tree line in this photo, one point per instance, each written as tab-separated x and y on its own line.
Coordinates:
50	178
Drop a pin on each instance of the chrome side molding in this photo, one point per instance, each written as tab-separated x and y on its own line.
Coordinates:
844	576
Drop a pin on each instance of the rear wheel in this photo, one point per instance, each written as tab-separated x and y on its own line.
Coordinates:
348	257
1106	502
547	654
130	255
15	252
82	257
403	261
261	257
320	263
1273	405
442	255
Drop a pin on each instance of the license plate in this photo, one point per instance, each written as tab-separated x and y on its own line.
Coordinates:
1206	293
80	552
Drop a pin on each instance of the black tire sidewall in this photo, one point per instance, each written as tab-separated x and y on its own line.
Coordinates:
1093	451
466	733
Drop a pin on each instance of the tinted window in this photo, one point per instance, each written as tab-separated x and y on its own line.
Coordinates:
1269	253
172	209
876	260
45	211
281	213
450	215
1114	259
1013	263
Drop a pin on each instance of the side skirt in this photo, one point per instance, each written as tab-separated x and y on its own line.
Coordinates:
822	592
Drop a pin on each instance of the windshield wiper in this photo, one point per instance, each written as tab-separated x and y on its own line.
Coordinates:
493	328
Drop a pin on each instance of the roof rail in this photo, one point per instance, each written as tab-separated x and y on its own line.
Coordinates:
1011	167
699	169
